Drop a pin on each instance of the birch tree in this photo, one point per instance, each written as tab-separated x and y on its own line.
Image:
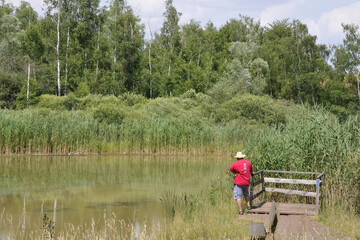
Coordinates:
56	5
126	34
27	16
170	31
352	47
33	46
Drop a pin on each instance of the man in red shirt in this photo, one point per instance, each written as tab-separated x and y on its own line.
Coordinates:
241	169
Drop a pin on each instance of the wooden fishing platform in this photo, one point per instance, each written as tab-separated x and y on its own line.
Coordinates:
285	208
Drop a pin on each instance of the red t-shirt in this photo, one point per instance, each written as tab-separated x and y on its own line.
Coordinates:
242	168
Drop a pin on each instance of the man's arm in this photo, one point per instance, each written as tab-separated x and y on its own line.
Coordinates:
232	169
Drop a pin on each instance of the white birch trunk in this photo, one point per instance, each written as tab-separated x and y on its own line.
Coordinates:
169	68
97	60
358	86
58	50
28	86
150	67
171	51
114	73
66	60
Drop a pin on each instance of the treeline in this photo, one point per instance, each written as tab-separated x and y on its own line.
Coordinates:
80	47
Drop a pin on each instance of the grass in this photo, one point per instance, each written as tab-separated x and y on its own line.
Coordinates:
341	220
112	227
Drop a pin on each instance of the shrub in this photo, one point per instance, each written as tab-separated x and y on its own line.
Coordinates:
82	90
261	109
132	99
51	101
110	113
71	102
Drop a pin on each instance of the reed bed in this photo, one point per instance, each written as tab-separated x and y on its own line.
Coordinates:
40	131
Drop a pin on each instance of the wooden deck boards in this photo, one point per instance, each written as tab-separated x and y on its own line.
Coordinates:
286	208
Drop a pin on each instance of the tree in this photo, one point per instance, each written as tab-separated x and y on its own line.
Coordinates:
26	15
33	47
246	68
170	38
126	39
56	4
352	47
10	59
292	54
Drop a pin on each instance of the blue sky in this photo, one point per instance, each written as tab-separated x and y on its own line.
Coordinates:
323	17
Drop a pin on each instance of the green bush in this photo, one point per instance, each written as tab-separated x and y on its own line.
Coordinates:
131	99
93	101
110	113
51	102
252	107
82	90
71	102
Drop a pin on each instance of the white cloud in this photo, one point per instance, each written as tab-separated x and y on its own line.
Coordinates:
35	4
280	11
147	8
328	26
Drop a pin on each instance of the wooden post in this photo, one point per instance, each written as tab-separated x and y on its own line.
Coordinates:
261	184
257	231
317	201
251	190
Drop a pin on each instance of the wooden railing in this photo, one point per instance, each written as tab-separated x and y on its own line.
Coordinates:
262	180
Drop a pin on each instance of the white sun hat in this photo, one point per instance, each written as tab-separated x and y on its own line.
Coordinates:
239	155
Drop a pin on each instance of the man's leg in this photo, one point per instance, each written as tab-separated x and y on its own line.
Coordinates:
238	201
245	190
247	198
237	196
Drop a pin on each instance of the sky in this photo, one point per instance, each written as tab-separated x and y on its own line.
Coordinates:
323	17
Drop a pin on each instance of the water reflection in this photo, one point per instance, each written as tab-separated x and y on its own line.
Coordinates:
85	188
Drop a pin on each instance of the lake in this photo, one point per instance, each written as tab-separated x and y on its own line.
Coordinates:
82	188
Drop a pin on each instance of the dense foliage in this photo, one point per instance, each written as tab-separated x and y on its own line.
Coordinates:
83	48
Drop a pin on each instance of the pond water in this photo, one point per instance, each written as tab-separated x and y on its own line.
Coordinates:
81	188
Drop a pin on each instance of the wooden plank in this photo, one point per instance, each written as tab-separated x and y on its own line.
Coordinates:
287	209
290	181
291	192
293	172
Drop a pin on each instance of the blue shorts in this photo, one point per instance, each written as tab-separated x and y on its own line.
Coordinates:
240	190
